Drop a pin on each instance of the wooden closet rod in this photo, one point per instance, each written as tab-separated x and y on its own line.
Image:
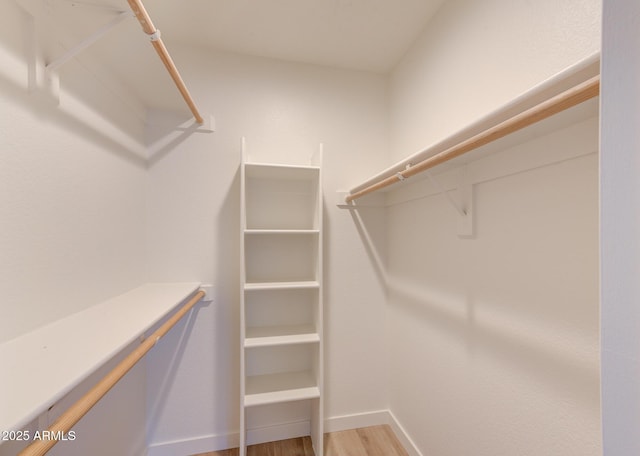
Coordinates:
74	413
565	100
154	35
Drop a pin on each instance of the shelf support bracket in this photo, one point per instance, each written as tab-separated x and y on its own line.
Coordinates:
465	188
43	77
88	41
465	207
36	28
461	211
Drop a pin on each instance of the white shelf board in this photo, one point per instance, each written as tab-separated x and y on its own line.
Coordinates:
268	336
280	285
276	171
277	388
272	231
556	84
40	367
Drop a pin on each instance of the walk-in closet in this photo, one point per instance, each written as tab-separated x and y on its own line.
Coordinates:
348	227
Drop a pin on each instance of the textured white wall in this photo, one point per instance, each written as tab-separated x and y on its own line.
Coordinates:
496	337
619	227
72	223
476	56
72	203
284	110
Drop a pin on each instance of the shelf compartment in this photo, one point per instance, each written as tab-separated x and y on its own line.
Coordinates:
272	255
275	258
281	387
281	197
266	360
282	307
269	336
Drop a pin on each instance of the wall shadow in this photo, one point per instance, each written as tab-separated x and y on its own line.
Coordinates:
552	369
46	111
226	352
177	338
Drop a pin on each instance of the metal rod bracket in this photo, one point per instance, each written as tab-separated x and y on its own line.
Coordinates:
466	228
464	207
155	36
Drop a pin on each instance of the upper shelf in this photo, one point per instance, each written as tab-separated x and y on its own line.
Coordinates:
565	90
92	60
281	198
40	367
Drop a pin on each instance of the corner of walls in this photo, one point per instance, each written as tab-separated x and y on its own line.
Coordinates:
285	111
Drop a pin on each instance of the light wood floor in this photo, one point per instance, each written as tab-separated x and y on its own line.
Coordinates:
369	441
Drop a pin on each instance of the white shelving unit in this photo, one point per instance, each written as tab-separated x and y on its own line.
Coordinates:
281	291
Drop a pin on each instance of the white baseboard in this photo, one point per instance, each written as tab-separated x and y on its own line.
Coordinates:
284	431
195	445
278	432
357	420
402	435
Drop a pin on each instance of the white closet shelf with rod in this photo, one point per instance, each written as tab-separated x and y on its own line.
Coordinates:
138	10
86	341
573	86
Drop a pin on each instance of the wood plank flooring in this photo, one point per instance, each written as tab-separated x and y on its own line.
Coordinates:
291	447
369	441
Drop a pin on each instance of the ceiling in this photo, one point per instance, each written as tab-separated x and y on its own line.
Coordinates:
359	34
367	35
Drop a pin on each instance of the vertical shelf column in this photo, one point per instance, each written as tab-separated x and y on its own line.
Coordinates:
281	296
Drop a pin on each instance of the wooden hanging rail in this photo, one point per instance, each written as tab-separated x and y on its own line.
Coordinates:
154	35
565	100
80	408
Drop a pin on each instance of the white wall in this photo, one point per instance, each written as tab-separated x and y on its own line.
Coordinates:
72	203
619	228
72	218
284	110
476	56
497	336
494	339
